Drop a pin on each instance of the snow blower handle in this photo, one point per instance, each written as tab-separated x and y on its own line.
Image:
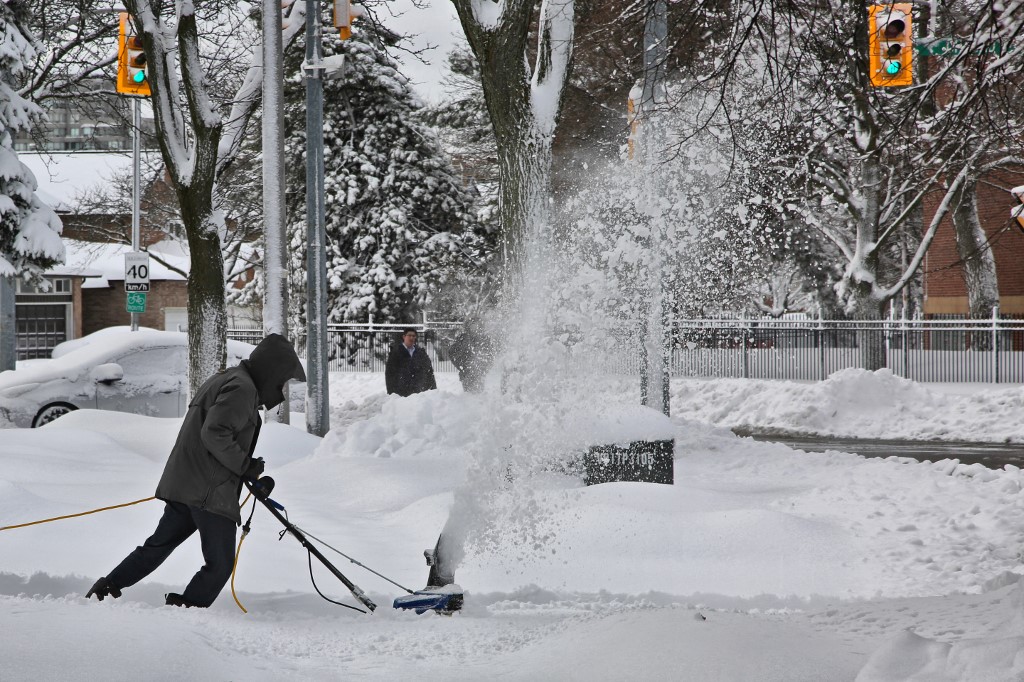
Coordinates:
261	489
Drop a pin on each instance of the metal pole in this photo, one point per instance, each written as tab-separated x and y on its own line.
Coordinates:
666	350
995	344
821	345
136	189
906	346
746	347
658	345
275	271
317	406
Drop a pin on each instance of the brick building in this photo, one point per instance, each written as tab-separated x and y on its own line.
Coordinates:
945	293
87	292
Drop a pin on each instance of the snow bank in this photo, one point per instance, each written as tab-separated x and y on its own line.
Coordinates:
807	566
912	658
856	403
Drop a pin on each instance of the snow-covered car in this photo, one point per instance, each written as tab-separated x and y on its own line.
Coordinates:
144	372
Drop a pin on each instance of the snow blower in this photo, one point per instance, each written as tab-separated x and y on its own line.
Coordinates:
440	596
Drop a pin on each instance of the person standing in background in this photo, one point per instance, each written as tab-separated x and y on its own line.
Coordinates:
408	368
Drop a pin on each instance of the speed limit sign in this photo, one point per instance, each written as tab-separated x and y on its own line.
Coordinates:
136	271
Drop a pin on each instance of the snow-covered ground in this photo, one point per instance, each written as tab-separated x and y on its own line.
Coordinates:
760	563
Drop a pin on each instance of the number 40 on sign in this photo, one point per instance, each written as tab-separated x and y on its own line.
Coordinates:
136	271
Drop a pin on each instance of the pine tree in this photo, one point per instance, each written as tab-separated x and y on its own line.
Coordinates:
29	230
399	223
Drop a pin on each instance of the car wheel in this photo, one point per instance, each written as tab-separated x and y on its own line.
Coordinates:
51	412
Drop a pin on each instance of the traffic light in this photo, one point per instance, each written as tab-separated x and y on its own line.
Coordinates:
132	78
891	45
343	18
1018	211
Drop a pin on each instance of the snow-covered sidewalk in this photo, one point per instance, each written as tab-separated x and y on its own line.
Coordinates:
806	567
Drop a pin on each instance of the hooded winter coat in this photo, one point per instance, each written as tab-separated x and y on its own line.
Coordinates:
218	435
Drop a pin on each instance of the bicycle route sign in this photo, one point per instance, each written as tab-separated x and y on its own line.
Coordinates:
136	302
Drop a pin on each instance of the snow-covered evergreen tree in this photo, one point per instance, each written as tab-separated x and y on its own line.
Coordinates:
399	223
29	229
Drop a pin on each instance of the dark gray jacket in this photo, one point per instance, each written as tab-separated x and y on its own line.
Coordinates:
406	374
220	429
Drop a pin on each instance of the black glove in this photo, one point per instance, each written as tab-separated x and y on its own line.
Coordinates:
255	468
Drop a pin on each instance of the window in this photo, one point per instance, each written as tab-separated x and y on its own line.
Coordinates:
58	285
154	361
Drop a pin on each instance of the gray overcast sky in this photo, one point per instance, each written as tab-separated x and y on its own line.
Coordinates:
437	24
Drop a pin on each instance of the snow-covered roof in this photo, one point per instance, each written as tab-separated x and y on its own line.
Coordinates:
64	176
105	262
100	262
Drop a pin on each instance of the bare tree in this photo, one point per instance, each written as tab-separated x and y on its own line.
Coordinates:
863	157
197	144
524	105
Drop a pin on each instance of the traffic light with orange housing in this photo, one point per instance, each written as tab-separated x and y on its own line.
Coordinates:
891	45
343	18
132	78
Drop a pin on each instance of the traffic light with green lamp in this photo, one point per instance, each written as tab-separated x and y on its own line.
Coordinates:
891	45
132	78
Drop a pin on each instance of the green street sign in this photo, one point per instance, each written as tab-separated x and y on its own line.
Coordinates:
942	47
136	302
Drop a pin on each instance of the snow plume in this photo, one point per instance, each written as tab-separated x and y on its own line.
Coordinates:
543	404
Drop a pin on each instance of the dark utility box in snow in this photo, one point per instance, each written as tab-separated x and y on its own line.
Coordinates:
644	461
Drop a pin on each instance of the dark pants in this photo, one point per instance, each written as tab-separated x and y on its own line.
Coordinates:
217	535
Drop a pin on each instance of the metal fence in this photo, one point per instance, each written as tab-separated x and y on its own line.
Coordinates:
922	350
365	347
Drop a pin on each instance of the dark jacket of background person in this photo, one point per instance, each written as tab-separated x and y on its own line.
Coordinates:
472	353
218	435
405	374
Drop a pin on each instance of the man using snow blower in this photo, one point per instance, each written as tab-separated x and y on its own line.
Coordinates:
202	479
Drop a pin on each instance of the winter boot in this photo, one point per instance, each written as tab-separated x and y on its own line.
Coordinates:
102	588
175	599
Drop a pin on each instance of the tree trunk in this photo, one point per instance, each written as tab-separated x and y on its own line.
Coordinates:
8	324
207	308
870	337
523	135
189	140
207	312
861	276
979	266
524	160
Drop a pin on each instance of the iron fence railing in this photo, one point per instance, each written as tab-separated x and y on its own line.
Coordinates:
804	349
364	347
922	350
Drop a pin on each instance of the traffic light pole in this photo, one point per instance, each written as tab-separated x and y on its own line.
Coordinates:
275	271
317	405
136	190
657	329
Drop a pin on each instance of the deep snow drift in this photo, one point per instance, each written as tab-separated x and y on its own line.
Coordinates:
806	566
